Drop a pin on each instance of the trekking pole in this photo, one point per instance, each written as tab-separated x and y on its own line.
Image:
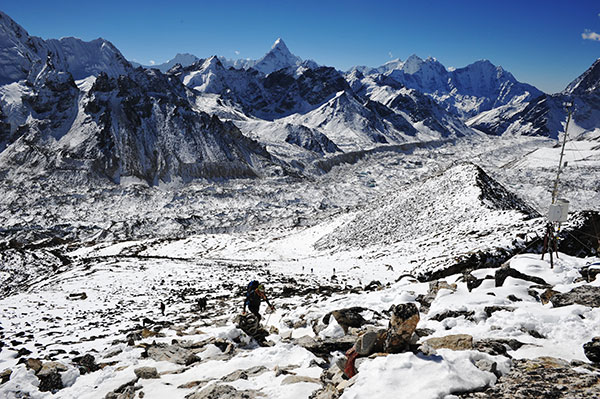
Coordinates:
267	322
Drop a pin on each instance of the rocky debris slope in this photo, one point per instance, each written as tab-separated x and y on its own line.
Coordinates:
463	202
97	330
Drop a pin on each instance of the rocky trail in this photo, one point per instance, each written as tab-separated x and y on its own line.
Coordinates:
97	330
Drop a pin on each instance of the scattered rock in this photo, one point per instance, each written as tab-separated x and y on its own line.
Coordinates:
125	391
77	296
547	295
34	364
146	373
244	374
23	352
172	353
373	286
491	309
402	325
5	376
453	313
513	298
456	342
592	350
86	363
583	295
434	288
487	365
541	378
294	379
505	271
217	391
589	273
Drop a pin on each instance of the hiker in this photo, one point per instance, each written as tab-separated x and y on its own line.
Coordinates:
254	295
201	304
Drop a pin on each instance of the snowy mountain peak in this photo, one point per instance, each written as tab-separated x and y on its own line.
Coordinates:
588	82
211	64
277	58
280	44
412	64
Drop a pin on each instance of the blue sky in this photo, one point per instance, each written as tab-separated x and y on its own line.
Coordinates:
540	42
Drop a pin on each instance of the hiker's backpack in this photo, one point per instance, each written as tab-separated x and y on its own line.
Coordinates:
253	285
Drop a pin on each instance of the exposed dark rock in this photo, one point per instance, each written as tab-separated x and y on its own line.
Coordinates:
323	348
171	353
491	309
349	317
86	363
589	273
498	346
592	350
586	295
467	314
370	342
506	271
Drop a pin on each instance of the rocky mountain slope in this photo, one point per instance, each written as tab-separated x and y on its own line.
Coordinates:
111	123
546	114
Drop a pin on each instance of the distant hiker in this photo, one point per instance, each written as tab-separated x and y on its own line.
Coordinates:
254	295
202	304
162	308
311	270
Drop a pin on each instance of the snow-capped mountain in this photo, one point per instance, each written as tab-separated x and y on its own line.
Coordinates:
323	100
117	123
464	91
23	56
546	115
184	59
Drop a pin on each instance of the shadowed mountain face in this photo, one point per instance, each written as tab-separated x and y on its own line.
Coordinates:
115	122
545	115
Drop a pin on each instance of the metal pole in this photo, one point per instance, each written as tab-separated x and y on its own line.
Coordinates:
562	151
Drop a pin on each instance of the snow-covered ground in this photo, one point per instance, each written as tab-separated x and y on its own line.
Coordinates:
131	248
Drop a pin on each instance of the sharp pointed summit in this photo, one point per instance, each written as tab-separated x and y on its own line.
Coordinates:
277	58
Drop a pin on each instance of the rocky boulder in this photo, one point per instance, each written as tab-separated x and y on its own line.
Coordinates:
583	295
249	324
146	373
456	342
49	376
592	350
172	353
401	328
346	318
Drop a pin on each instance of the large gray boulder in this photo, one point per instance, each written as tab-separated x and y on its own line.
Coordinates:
583	295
